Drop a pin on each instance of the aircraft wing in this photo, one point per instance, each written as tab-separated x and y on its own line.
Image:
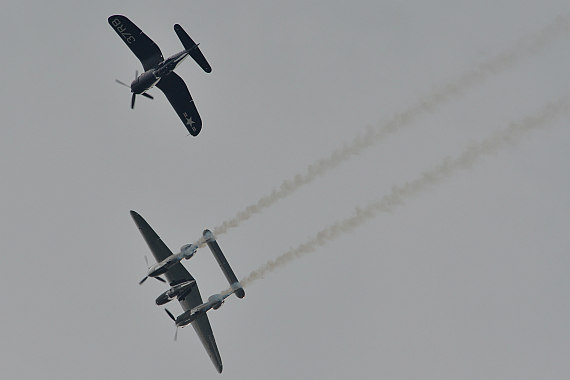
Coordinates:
176	275
179	97
140	44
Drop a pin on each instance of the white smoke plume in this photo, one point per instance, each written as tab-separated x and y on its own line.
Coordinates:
524	48
400	194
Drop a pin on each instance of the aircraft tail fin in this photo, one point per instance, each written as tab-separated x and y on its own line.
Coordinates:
192	48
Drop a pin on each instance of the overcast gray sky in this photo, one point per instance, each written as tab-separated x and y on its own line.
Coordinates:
466	278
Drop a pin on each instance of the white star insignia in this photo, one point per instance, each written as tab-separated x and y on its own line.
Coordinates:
189	121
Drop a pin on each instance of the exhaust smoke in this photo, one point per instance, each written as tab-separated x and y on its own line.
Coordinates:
524	48
400	194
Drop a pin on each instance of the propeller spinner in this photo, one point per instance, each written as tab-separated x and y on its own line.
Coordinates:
133	97
147	276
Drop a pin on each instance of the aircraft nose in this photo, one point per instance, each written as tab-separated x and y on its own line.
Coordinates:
162	299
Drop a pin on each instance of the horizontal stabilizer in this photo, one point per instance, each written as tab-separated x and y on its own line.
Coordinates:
192	48
223	263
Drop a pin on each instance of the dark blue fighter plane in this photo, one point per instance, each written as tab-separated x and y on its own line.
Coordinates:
159	72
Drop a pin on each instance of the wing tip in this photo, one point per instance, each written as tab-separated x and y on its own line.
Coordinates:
114	17
136	216
194	131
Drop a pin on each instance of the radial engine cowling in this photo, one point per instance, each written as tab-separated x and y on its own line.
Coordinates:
143	82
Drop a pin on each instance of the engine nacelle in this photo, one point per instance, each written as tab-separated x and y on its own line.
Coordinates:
216	301
187	317
188	250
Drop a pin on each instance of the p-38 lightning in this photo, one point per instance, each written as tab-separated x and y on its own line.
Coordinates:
159	72
183	286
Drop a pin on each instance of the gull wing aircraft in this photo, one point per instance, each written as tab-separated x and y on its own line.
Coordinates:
188	294
159	72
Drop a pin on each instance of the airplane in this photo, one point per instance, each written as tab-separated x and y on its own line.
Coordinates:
159	72
184	288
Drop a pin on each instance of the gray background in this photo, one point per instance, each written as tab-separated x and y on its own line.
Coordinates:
466	280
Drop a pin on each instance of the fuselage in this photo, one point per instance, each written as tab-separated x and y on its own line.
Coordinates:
176	291
150	78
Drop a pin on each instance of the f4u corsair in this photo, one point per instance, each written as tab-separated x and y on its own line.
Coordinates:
159	72
184	288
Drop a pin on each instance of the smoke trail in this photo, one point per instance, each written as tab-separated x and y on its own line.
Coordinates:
399	194
523	48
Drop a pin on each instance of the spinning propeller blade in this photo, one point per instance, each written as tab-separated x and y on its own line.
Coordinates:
148	266
174	319
133	97
122	83
158	278
170	315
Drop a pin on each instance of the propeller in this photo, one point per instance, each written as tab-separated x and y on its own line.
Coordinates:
122	83
170	315
174	319
158	278
145	277
133	97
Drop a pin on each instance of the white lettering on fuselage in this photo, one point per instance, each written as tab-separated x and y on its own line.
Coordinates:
119	27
